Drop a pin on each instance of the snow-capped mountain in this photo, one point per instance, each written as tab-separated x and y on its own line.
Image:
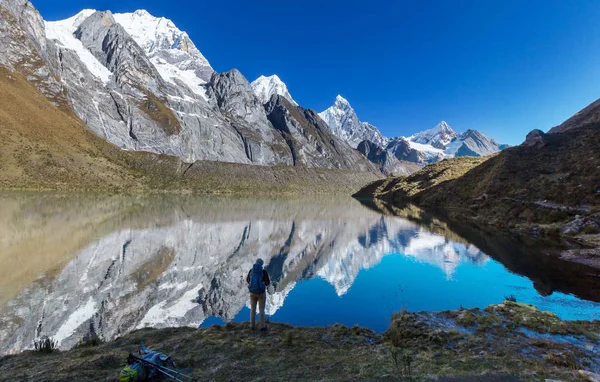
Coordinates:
443	142
421	148
170	50
266	87
439	136
140	83
344	123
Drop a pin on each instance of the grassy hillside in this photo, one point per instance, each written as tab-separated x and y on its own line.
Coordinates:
542	184
44	147
514	340
406	188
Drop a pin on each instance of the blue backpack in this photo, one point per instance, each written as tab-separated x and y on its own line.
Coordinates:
257	283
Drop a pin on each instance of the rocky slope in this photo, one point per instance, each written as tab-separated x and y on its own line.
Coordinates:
385	161
140	83
588	115
504	342
308	138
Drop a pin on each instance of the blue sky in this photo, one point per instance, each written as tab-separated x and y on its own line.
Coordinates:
501	67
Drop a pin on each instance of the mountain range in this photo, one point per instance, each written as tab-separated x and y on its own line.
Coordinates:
429	146
141	84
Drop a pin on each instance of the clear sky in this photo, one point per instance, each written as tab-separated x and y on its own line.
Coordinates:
501	67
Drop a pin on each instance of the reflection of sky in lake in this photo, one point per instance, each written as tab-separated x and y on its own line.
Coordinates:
400	282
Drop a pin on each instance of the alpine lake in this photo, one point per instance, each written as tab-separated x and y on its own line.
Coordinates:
75	265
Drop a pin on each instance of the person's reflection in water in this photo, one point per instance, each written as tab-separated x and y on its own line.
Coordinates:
258	281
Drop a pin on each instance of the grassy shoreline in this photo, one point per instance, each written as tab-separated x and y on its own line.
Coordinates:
510	341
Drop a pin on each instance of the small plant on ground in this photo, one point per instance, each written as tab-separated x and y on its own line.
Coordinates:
510	297
45	345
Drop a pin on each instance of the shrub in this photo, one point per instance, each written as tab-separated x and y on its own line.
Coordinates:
45	345
510	297
90	341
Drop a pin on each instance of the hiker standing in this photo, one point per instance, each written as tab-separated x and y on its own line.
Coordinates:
258	281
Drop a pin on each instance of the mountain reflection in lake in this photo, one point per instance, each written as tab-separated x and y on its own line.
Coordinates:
70	265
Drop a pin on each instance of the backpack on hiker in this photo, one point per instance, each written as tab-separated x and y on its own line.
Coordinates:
257	282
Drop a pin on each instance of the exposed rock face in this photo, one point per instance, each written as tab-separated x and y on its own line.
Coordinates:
534	137
118	52
385	161
24	50
309	138
400	148
245	113
344	123
476	144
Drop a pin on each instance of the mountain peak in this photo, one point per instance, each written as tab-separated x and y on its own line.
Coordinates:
266	86
339	100
142	12
439	136
443	126
344	123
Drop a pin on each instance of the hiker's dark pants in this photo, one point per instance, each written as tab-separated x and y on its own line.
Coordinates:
261	299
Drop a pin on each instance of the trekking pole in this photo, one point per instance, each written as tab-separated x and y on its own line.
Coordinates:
157	367
169	375
162	367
